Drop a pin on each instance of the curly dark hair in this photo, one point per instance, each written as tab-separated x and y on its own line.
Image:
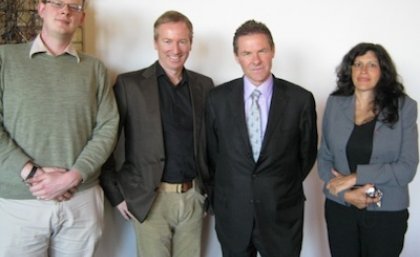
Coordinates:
388	90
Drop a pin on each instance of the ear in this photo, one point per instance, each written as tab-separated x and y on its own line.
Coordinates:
236	57
155	43
41	9
82	18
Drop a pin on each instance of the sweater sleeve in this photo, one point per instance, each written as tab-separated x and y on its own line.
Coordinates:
12	157
102	141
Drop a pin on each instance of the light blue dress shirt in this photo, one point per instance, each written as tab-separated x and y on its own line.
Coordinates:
266	89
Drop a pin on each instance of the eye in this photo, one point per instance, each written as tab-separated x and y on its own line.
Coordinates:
357	65
184	41
372	65
60	5
75	7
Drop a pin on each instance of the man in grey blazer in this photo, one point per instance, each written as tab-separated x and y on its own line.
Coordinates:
258	197
161	184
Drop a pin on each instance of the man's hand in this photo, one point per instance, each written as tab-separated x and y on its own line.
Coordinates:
340	182
54	184
67	195
123	209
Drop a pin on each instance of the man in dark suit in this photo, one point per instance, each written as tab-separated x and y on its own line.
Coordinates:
262	143
160	185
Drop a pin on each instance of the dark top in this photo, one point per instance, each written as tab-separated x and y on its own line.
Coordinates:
360	144
177	123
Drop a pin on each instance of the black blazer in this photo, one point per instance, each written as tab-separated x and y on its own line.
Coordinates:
244	190
137	181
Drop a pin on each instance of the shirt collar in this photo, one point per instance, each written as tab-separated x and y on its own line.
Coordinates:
266	88
38	46
160	72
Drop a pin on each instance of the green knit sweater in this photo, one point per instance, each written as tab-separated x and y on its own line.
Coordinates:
54	111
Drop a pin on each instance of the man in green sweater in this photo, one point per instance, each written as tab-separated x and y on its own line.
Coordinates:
58	125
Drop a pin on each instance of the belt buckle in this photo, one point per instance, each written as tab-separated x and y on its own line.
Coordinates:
179	188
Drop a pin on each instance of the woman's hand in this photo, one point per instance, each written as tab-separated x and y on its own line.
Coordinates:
358	197
340	182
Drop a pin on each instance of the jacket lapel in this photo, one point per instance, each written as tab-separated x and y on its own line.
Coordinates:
197	100
237	108
151	92
348	108
279	101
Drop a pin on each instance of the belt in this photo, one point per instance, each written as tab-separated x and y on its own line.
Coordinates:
175	187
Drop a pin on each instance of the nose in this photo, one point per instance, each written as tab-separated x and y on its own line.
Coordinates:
176	47
364	68
65	9
256	59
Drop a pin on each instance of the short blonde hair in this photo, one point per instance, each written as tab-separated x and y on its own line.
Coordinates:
172	16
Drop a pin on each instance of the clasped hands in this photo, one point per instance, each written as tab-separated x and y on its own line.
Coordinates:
354	195
53	183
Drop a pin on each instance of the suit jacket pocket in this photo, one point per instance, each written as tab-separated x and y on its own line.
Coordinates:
290	201
139	179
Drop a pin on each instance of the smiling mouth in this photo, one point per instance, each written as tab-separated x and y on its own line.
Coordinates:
175	58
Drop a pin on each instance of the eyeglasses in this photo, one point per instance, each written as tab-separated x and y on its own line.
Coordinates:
57	4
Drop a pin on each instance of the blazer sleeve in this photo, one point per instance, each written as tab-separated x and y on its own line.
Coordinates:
401	171
325	156
109	183
309	136
212	145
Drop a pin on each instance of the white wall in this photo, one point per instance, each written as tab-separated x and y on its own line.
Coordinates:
311	37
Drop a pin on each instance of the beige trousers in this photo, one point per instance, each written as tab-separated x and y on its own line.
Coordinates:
173	226
37	228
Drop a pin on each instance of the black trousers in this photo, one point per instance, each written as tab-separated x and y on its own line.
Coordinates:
282	238
360	233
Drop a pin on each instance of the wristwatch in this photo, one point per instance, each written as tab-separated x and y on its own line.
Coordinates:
32	172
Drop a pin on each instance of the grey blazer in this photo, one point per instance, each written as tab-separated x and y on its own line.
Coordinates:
138	179
395	153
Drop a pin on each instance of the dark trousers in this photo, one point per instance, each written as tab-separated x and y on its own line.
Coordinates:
282	238
360	233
